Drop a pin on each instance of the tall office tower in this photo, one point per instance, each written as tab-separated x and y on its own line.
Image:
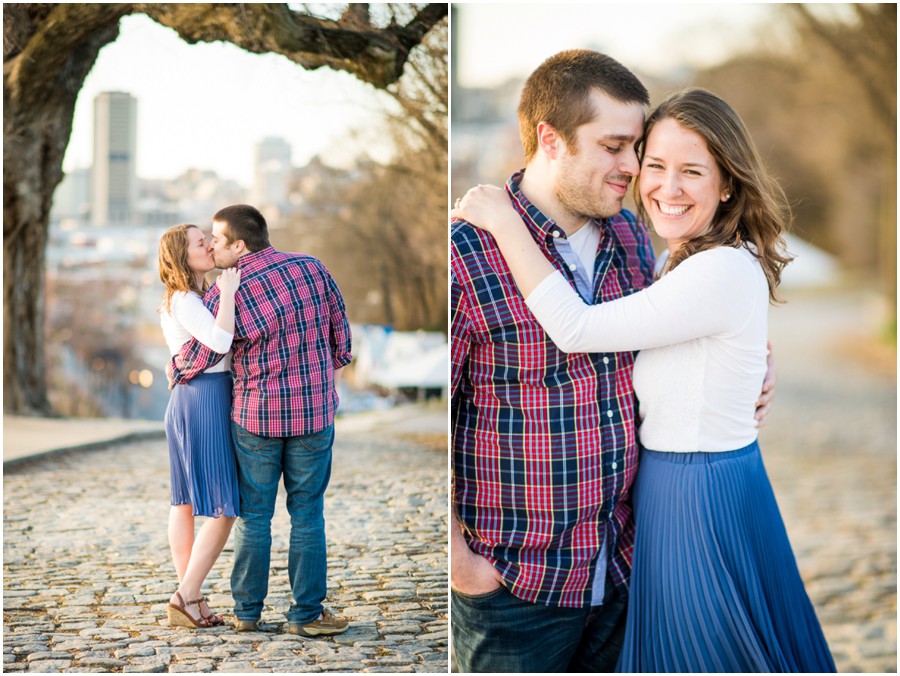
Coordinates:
271	172
114	185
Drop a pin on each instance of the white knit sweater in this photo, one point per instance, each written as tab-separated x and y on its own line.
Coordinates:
701	330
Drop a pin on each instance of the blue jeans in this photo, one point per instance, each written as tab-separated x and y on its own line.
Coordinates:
305	462
498	632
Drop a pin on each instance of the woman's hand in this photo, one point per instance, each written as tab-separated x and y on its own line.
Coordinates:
487	207
229	281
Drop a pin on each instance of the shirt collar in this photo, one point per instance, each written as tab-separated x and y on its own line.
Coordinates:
541	225
252	262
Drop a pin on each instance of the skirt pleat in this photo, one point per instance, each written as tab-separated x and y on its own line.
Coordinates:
201	454
714	584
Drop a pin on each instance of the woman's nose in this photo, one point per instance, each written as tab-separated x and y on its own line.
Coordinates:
671	184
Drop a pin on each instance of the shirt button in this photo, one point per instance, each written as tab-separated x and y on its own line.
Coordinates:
609	414
605	360
573	267
614	465
555	233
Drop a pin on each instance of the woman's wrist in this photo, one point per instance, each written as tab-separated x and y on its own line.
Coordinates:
508	226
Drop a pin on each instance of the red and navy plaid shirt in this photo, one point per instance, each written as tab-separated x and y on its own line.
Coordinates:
544	443
290	335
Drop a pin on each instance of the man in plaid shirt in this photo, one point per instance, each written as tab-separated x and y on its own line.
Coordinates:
291	337
544	443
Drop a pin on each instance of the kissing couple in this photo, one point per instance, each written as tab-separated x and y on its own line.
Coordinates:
253	368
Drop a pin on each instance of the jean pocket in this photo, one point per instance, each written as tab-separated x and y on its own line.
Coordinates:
318	442
248	440
487	596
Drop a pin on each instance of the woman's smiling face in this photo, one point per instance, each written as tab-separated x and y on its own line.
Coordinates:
680	184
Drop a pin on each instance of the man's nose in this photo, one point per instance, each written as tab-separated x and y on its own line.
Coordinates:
630	166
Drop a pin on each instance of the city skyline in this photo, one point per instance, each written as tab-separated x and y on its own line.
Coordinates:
109	191
205	106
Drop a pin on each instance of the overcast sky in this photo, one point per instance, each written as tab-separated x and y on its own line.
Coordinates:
499	41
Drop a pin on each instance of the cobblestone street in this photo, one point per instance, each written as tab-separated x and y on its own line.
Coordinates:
830	448
87	572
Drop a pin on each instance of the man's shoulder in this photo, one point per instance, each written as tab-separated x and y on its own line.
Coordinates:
281	259
466	239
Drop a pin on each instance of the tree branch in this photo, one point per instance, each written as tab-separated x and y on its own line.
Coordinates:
882	102
376	56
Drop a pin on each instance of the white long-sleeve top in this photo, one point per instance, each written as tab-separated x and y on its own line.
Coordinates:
188	319
702	331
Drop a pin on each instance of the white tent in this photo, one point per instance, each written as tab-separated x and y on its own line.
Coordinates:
811	266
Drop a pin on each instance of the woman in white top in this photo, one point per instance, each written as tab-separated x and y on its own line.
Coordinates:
198	431
714	585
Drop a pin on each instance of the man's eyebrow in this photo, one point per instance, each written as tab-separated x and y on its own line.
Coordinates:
618	137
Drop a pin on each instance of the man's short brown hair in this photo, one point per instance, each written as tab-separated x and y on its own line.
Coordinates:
558	92
246	223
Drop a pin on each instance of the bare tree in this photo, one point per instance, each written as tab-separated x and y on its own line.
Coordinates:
48	50
866	46
381	227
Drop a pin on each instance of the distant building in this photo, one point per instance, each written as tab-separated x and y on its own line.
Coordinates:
271	172
114	184
72	197
191	197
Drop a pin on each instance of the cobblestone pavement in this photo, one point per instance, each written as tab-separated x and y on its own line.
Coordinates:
830	448
87	572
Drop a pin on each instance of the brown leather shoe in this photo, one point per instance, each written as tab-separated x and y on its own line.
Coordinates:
327	625
246	625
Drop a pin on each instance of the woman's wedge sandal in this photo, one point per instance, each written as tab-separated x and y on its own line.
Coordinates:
213	619
179	616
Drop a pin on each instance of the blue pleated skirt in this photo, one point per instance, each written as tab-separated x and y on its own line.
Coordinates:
714	583
201	454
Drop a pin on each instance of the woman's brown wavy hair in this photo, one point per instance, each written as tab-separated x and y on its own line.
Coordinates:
173	264
757	212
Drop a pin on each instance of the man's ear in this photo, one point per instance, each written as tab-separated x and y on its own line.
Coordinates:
549	139
240	246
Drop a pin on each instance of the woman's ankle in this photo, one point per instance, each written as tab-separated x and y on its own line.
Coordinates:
187	594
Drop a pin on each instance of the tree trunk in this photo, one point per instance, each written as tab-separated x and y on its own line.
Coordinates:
43	70
48	50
